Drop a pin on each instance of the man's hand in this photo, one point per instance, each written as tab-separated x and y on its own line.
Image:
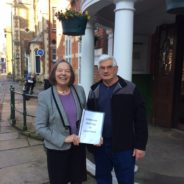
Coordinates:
138	154
100	143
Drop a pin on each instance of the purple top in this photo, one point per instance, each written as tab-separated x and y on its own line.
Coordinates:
70	110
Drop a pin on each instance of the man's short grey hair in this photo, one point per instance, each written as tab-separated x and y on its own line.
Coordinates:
105	57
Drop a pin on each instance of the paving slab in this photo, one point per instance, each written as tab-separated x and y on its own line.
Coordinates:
9	136
156	178
34	142
13	144
30	173
19	156
4	129
4	124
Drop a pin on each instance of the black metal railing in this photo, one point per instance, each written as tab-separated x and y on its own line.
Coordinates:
14	110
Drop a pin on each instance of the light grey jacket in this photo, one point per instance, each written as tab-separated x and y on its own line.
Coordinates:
48	121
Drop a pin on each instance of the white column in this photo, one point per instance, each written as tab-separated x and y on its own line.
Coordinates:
87	58
123	37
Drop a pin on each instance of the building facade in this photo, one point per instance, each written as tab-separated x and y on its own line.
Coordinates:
31	38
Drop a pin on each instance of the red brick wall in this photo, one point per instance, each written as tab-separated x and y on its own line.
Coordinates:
75	57
60	50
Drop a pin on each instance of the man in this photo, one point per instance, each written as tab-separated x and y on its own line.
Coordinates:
30	82
125	130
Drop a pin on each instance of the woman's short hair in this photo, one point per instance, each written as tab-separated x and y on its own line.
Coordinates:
105	57
52	76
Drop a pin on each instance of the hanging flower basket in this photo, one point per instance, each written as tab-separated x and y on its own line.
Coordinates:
73	22
74	26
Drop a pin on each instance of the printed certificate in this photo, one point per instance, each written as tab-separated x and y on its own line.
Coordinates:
91	126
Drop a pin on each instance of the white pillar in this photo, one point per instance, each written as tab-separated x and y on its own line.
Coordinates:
123	37
87	58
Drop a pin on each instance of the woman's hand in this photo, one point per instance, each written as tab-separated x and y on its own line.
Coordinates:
73	139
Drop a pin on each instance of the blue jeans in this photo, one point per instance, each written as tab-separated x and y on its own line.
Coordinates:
123	163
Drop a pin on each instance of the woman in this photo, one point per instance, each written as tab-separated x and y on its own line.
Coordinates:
58	113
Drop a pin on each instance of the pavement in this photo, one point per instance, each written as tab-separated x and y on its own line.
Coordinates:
23	159
164	160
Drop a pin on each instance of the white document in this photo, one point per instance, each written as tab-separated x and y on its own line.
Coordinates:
91	126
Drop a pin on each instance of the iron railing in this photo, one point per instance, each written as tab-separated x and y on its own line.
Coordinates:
14	110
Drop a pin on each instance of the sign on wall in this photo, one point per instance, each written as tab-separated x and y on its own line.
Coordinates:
140	55
40	52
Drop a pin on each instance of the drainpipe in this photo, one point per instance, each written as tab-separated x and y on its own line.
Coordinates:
49	32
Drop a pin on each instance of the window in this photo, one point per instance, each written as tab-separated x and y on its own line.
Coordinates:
54	54
68	48
53	18
37	62
140	58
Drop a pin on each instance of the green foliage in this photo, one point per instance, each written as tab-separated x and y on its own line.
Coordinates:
69	13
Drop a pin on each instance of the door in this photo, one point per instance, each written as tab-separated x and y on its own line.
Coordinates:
179	116
164	72
179	76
